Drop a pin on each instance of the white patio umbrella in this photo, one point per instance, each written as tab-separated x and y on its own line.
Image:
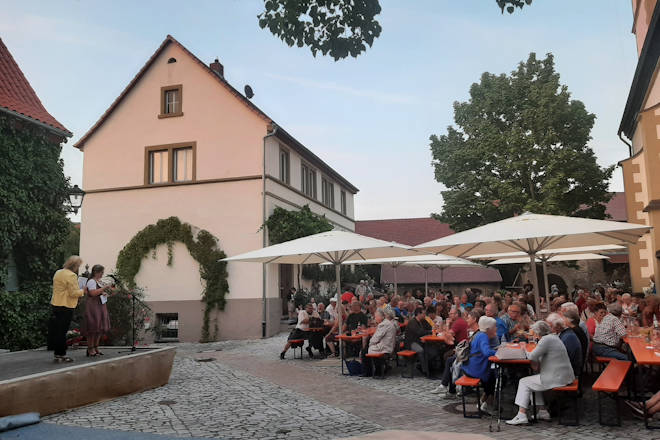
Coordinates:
334	247
424	261
551	252
532	233
548	258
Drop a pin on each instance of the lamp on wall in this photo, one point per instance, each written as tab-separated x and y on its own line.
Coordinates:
76	196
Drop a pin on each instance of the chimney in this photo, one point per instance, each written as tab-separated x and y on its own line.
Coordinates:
217	68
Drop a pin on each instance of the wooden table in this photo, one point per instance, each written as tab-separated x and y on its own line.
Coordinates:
430	339
500	364
643	351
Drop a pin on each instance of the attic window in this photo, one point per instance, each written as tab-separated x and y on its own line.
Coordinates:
171	101
171	60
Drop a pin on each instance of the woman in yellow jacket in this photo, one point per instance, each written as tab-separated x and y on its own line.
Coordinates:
65	299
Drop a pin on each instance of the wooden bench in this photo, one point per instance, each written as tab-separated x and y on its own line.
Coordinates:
380	359
409	356
608	384
573	390
469	382
295	344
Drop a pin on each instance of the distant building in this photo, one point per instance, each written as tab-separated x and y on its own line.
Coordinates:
414	231
181	141
640	124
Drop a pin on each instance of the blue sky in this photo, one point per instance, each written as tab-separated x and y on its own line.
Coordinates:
370	118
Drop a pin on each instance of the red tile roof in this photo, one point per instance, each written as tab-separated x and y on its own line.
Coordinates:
410	231
616	207
414	231
17	96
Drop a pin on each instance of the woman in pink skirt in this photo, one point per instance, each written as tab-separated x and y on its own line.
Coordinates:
97	321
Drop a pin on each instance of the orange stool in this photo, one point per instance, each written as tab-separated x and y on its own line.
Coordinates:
470	382
297	343
377	358
409	356
574	390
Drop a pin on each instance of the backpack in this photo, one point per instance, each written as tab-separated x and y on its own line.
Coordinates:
463	348
354	367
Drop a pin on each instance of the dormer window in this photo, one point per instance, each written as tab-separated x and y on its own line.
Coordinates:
171	101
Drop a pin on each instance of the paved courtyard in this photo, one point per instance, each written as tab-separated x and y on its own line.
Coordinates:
241	390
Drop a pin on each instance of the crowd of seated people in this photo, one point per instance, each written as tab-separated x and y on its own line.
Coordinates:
571	330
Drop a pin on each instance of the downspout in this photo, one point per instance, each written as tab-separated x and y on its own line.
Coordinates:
264	313
630	148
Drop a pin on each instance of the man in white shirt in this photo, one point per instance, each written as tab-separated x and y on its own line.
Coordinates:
302	329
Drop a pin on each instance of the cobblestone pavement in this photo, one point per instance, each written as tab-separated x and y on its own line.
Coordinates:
245	391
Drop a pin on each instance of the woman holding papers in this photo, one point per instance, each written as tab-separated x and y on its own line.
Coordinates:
96	322
555	371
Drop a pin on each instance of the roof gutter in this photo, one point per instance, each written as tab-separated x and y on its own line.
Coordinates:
264	300
630	148
57	131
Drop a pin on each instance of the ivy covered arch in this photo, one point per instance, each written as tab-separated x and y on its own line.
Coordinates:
203	247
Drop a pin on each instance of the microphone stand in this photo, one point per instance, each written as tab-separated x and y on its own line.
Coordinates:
133	341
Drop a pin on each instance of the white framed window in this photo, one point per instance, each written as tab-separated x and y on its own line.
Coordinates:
183	164
284	166
327	193
308	180
171	101
158	166
342	195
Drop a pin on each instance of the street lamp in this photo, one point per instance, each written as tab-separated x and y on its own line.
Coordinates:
76	196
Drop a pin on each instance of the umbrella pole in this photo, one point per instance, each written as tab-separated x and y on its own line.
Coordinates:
535	282
442	278
396	286
547	286
339	305
426	281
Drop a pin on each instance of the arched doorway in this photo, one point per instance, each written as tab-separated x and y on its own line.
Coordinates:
559	281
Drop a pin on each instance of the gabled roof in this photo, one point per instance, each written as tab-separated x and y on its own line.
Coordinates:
616	207
18	97
410	231
646	65
278	132
414	231
168	40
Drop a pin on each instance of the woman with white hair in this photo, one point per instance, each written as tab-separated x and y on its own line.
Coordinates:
477	365
555	371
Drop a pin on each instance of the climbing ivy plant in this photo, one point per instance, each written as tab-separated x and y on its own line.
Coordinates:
286	225
203	247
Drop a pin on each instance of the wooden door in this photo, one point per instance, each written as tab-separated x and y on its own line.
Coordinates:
286	283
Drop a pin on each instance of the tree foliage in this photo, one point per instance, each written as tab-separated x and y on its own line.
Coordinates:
511	5
283	225
520	145
33	189
336	27
340	28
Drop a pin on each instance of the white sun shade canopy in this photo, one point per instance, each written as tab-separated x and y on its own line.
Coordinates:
531	233
419	260
551	252
565	257
333	247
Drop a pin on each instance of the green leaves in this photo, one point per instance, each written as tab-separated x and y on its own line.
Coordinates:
33	188
336	27
520	145
203	247
286	225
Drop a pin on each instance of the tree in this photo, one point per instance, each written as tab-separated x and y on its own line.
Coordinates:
520	145
286	225
336	27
